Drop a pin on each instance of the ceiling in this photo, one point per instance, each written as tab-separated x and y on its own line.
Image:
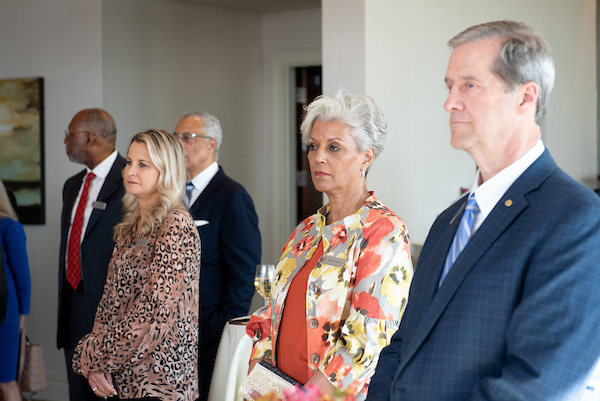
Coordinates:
261	6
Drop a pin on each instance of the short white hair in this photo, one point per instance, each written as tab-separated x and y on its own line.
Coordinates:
359	112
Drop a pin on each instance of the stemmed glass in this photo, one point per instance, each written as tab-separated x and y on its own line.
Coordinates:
263	281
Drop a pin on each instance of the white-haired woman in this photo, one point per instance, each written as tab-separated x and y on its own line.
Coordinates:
144	343
18	283
342	282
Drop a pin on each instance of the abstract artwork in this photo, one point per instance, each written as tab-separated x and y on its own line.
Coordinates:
22	145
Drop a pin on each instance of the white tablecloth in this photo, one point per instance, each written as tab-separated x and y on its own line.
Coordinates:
231	365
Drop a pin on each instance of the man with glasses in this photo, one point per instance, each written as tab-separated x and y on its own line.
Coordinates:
92	202
228	227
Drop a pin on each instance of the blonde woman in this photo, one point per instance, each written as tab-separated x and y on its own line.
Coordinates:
144	343
18	282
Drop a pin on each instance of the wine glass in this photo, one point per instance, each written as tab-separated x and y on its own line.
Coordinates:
263	281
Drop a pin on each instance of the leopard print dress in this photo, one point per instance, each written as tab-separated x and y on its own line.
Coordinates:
146	327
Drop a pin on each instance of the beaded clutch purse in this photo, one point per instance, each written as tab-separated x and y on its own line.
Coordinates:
264	378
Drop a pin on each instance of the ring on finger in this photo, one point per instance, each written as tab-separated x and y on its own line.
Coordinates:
94	389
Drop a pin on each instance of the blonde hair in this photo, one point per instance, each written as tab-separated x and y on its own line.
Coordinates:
166	153
6	209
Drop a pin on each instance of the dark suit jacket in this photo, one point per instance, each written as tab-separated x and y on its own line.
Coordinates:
518	316
97	245
231	249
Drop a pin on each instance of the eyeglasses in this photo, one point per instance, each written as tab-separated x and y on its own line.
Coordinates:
69	134
188	137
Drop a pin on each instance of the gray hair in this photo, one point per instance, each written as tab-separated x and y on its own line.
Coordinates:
359	112
212	126
102	122
524	57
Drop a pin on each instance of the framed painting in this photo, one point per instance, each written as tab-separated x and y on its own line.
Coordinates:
22	146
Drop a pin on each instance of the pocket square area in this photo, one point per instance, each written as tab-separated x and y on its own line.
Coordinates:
199	223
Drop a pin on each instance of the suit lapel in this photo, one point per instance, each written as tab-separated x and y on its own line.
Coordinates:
512	203
208	194
111	184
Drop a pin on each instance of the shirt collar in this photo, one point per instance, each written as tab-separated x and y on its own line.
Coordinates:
103	168
489	193
201	180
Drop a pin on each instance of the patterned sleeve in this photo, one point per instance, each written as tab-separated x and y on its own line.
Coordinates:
259	329
259	326
383	273
154	315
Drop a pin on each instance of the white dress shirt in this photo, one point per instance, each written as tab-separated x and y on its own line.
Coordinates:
201	181
101	171
489	193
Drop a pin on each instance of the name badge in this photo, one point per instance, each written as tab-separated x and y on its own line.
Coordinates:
99	205
141	242
333	261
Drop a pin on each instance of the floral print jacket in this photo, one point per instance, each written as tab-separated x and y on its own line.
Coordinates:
146	328
356	294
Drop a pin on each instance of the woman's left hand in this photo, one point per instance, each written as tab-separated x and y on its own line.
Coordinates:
101	384
318	379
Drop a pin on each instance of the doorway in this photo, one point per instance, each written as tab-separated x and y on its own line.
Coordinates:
308	87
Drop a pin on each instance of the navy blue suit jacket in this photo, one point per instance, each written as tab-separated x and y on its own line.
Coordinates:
96	247
518	316
231	249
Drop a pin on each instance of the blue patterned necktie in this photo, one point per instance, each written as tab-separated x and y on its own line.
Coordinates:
188	193
463	234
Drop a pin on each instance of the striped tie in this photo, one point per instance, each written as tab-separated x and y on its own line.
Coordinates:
188	193
463	234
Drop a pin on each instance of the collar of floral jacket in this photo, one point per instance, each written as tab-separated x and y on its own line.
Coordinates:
338	238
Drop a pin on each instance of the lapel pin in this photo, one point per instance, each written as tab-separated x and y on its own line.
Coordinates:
508	203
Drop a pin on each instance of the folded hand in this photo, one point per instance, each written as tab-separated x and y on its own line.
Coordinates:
101	384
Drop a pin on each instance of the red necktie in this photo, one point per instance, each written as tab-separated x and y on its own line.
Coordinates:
73	254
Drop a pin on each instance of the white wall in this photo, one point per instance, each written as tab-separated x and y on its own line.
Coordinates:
163	58
418	174
60	41
344	46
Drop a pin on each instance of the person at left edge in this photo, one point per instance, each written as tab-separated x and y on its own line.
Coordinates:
90	140
18	281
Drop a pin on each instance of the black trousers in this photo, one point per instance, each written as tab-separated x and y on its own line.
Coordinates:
79	389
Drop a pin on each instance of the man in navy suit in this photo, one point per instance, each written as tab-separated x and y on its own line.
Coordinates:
230	239
90	140
515	315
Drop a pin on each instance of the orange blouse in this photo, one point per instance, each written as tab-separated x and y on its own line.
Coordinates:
292	347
